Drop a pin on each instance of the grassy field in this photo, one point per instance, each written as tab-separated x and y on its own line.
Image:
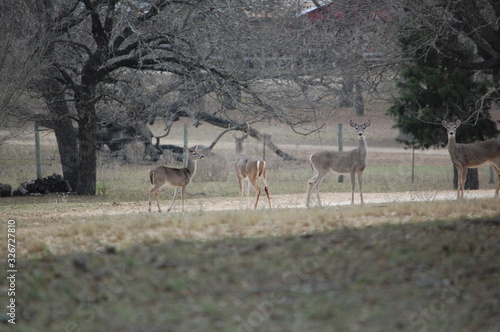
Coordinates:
104	264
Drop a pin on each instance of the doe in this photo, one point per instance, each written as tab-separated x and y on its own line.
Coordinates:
174	177
353	162
250	169
472	155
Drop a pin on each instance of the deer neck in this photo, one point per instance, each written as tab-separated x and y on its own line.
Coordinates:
191	166
452	144
362	145
239	148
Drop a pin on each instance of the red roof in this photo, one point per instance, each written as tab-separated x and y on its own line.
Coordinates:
331	11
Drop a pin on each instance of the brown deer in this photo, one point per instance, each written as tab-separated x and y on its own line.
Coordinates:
353	162
250	169
174	177
472	155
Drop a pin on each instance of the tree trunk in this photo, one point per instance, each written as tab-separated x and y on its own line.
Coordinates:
471	181
61	123
359	103
346	95
87	152
68	148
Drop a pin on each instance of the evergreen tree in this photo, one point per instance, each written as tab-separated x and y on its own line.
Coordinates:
433	88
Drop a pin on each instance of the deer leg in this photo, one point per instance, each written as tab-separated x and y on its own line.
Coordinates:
308	197
240	183
154	191
459	179
462	178
149	206
497	170
318	181
498	185
316	186
158	201
257	198
255	185
353	185
360	185
266	189
175	195
310	184
183	192
248	192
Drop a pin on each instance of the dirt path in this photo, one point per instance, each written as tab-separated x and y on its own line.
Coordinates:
279	201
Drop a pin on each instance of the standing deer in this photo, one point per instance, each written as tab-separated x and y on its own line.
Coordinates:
353	162
174	177
472	155
250	169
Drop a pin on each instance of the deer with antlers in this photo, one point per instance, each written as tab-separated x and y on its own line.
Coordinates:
472	155
353	162
174	177
250	169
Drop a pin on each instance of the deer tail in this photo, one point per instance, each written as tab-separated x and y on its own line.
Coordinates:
261	166
151	176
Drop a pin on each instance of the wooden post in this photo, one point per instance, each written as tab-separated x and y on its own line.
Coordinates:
341	147
185	154
413	165
38	157
264	148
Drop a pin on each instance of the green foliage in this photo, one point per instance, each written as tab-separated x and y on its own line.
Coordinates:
433	87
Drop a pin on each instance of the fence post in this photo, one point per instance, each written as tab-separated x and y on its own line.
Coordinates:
185	153
413	164
341	148
264	148
38	157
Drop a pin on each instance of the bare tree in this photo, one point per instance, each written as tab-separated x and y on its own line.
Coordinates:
20	62
196	59
455	27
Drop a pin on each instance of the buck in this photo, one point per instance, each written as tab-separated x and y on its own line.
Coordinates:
249	169
471	155
174	177
353	162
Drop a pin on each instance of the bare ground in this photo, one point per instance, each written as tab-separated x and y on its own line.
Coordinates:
291	201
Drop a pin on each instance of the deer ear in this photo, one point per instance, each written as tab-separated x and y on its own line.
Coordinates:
458	123
367	124
444	123
352	124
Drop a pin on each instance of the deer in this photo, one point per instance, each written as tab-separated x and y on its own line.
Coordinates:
174	177
249	169
353	162
471	155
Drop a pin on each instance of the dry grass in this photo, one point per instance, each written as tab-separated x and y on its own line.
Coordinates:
91	227
348	270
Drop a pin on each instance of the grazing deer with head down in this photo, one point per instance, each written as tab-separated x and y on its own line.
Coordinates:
353	162
472	155
174	177
250	169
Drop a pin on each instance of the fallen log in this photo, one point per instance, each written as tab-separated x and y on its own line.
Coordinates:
5	190
54	183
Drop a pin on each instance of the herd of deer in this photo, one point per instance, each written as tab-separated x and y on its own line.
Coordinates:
252	169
